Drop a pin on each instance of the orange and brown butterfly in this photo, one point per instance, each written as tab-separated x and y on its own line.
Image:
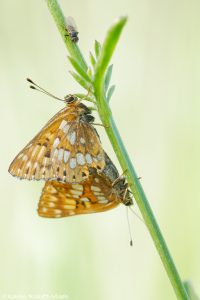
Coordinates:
100	192
66	147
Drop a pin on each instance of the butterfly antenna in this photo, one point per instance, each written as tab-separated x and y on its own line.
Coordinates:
129	227
38	88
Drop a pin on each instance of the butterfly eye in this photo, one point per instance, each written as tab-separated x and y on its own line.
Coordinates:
70	98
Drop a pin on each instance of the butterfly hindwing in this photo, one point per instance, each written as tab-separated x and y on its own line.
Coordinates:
100	192
63	200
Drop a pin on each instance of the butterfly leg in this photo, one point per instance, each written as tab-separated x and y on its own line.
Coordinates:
119	178
88	97
125	193
98	124
127	200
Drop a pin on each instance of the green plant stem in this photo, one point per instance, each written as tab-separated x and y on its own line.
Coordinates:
113	134
142	203
190	290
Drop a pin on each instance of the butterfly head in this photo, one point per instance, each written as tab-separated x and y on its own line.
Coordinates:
71	99
121	188
83	111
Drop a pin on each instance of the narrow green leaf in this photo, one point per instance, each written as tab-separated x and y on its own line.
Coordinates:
85	97
108	48
92	60
110	92
190	290
89	72
79	69
97	48
107	78
80	80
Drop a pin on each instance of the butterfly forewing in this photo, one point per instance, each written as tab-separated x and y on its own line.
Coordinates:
63	200
63	150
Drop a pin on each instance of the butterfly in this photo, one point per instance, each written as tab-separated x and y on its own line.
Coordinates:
64	150
100	192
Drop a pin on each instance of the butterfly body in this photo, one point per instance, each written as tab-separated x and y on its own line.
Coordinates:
64	150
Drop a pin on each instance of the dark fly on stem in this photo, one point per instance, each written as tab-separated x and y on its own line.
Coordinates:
71	28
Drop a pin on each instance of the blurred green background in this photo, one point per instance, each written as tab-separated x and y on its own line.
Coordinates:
157	109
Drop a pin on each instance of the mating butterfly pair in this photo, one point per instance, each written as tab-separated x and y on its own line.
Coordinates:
100	192
67	153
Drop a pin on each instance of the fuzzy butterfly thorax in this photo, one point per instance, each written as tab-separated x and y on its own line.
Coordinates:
79	111
64	150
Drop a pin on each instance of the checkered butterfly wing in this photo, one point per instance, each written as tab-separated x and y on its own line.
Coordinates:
63	200
96	194
63	150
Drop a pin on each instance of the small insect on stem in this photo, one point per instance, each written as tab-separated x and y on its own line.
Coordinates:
71	28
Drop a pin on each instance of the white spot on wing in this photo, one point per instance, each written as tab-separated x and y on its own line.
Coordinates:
99	156
50	189
88	158
72	137
80	159
101	198
35	150
60	154
72	163
75	192
45	159
64	126
56	142
98	193
103	201
28	164
66	155
70	201
63	123
95	188
66	206
57	211
77	187
41	152
35	165
82	140
85	199
73	196
44	209
55	153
